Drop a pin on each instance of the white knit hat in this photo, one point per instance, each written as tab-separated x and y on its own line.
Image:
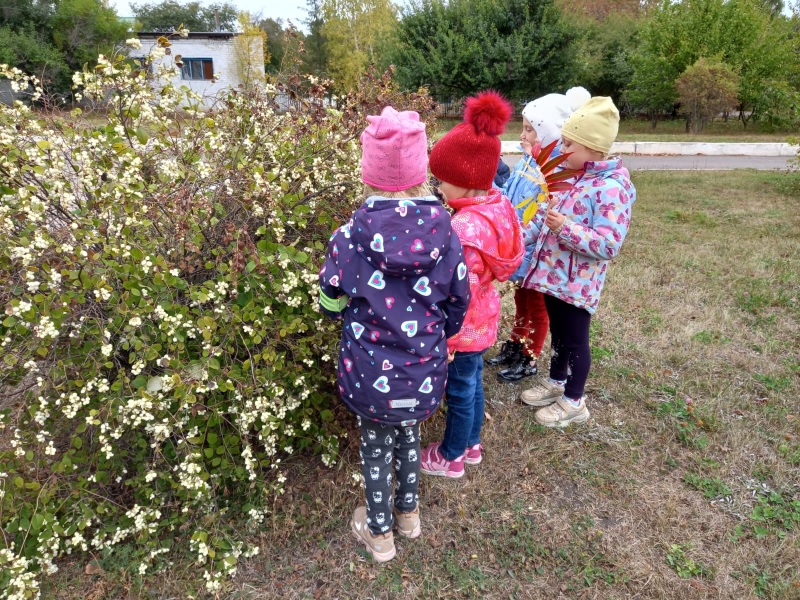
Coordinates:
548	113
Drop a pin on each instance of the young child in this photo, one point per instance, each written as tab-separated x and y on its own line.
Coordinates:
541	125
464	161
578	233
396	274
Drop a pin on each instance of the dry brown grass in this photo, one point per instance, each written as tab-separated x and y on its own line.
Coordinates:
703	304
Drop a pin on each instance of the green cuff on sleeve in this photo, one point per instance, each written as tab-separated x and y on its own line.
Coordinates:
333	304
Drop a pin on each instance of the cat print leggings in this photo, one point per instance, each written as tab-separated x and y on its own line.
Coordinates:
382	445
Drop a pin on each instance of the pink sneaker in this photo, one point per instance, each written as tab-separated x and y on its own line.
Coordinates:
433	463
473	455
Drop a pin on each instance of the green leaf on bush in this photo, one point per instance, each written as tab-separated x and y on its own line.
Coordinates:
37	522
142	136
139	382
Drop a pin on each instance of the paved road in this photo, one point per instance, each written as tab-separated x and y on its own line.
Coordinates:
693	163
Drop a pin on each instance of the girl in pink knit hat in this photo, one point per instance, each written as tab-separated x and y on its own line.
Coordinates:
395	275
465	161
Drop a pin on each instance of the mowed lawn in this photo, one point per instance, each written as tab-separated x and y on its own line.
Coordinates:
684	484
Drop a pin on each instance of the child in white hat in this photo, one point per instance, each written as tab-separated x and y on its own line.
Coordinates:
541	125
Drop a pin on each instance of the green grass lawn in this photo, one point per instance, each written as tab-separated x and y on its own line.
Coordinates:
665	131
685	484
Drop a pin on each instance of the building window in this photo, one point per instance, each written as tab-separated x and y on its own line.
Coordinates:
197	68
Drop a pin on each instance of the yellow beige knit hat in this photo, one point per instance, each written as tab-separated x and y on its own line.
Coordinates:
594	125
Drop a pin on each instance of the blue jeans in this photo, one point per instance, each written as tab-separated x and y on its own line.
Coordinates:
464	404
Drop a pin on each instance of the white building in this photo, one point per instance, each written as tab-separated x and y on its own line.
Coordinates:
213	61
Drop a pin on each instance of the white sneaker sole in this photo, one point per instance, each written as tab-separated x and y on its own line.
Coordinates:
441	473
582	418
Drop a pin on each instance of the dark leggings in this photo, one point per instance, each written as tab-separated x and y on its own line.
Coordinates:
571	357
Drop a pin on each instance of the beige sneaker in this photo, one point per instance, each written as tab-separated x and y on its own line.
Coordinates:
561	413
408	524
543	393
380	547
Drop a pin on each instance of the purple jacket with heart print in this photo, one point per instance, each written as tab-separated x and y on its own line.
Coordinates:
395	273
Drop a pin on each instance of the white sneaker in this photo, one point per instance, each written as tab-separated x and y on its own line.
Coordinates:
561	413
543	393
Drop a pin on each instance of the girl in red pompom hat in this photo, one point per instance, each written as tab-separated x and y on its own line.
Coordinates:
465	161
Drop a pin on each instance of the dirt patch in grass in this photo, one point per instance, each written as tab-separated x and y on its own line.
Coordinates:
684	484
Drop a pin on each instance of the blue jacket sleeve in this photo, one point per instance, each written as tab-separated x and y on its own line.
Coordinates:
502	174
332	300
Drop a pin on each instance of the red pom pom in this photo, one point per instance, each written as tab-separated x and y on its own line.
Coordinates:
488	112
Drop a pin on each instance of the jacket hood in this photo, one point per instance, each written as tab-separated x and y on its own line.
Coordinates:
402	236
611	166
492	228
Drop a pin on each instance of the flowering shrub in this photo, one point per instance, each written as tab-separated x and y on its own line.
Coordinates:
161	348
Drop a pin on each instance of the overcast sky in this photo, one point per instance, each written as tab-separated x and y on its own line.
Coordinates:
275	9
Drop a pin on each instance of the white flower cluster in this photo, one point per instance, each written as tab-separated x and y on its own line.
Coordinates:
23	584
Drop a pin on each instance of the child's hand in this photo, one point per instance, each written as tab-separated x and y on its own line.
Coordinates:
451	357
554	219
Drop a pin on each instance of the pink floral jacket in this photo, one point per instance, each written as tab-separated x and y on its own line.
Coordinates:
572	265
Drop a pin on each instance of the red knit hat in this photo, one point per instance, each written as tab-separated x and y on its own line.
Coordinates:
467	155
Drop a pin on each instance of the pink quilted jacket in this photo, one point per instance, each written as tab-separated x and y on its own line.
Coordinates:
493	249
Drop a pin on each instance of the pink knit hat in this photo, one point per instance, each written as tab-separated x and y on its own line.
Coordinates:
394	151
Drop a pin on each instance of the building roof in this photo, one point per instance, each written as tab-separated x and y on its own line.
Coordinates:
225	35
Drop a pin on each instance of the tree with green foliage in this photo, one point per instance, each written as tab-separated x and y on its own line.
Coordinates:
167	15
606	47
705	89
52	39
28	50
742	33
250	51
276	44
353	31
84	29
522	48
315	60
19	14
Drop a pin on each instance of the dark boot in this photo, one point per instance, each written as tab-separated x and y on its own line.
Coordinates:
510	352
525	367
